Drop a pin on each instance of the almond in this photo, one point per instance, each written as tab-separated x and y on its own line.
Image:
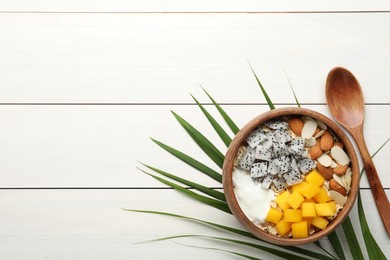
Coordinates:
315	151
317	131
296	125
339	144
340	169
326	141
326	172
333	185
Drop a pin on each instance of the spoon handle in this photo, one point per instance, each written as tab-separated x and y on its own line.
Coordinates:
377	190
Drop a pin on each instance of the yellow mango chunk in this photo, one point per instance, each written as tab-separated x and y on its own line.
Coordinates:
319	222
295	199
308	209
274	215
325	209
309	190
308	221
315	178
300	230
332	205
293	215
322	196
281	200
283	227
298	187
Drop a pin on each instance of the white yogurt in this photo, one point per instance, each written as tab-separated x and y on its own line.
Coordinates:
252	198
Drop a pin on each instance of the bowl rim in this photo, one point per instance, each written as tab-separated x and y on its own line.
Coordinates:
239	139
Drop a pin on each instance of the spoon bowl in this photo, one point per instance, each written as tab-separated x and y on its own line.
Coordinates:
346	103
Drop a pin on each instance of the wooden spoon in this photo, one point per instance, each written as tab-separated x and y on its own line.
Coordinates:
345	100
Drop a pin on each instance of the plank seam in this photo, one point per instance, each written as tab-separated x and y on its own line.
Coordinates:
199	12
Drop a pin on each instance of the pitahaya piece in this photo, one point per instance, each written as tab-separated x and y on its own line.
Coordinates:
305	165
263	153
294	165
273	168
277	124
280	149
247	159
256	137
283	164
292	177
297	146
267	181
259	170
282	135
280	184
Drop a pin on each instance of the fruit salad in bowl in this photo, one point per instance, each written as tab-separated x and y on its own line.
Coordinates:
291	176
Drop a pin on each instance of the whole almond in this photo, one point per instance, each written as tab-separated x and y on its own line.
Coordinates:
339	144
333	185
326	172
315	151
326	141
340	169
317	131
296	125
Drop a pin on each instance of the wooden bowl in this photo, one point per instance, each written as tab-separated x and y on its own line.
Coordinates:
239	140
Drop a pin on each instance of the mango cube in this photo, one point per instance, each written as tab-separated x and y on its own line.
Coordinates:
319	222
293	215
274	215
283	227
315	178
308	221
308	209
281	200
295	199
322	196
300	230
325	209
309	190
298	187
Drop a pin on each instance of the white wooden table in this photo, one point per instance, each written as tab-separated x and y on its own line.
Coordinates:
84	84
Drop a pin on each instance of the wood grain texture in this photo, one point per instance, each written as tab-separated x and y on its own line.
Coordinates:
99	146
191	6
159	58
74	224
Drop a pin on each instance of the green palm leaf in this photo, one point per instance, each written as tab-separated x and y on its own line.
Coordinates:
353	243
213	193
225	116
191	161
222	134
206	200
235	231
202	141
335	242
270	250
289	82
269	102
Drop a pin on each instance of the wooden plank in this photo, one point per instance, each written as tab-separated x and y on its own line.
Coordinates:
81	224
191	6
99	146
159	58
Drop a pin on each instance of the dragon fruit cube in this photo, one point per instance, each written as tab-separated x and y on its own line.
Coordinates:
282	135
277	124
259	170
256	137
247	159
263	153
305	165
